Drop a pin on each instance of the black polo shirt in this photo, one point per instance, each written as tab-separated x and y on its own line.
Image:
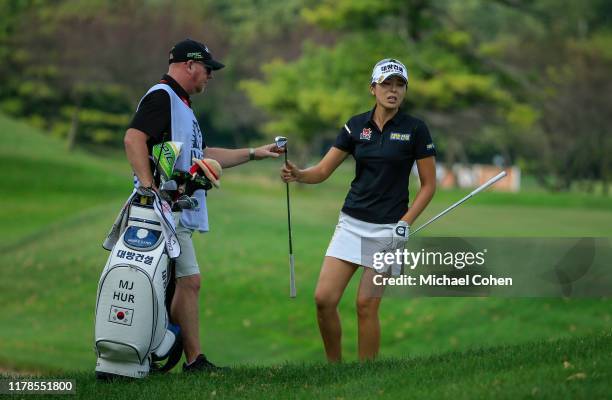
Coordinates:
153	114
379	192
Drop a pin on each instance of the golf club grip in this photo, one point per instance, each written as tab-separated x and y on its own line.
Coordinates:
288	208
289	220
488	183
292	292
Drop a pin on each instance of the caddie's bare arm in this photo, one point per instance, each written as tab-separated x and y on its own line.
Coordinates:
135	142
318	173
232	157
427	176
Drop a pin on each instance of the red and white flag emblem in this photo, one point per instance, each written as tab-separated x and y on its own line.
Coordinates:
366	134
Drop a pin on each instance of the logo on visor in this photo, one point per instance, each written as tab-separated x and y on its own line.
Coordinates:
391	68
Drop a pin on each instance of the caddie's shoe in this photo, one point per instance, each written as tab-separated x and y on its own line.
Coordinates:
201	364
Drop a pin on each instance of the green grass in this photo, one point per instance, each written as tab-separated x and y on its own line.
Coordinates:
560	369
58	207
43	183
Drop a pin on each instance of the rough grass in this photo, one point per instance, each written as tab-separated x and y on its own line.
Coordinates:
578	368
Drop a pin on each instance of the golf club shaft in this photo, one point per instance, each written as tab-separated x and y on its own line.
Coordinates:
292	291
463	200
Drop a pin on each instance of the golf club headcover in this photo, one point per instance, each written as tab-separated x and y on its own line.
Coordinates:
208	168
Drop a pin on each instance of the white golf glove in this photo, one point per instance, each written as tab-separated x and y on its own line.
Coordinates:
401	233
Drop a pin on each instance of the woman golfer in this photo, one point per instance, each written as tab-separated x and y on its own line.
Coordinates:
385	142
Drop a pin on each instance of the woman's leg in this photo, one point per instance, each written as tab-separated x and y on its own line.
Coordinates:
335	275
368	301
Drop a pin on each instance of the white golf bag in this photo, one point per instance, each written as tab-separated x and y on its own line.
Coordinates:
132	328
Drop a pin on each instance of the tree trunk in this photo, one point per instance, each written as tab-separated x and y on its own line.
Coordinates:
74	124
604	171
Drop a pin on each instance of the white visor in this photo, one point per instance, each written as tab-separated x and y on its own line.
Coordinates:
387	68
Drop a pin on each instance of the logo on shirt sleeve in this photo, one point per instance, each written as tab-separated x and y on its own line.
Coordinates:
430	146
403	137
366	134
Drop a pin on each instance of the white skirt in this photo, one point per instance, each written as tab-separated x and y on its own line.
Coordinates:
357	241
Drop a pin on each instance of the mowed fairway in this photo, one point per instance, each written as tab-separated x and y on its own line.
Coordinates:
57	208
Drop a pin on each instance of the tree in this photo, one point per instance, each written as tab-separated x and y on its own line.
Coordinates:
315	94
563	51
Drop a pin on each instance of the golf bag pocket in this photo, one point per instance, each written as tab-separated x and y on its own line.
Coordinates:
128	315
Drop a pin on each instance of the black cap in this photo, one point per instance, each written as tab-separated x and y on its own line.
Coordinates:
189	49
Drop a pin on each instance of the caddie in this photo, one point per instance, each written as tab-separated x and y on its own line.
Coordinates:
164	114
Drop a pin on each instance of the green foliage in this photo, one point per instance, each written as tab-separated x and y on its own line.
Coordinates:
355	14
43	88
576	124
301	97
100	72
487	76
256	19
317	93
522	116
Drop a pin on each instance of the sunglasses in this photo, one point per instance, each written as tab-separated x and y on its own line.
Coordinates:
206	67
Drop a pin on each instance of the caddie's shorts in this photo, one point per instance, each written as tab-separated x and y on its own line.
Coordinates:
357	241
186	264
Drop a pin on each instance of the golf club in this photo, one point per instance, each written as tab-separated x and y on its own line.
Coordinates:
463	200
185	203
167	190
169	186
281	143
